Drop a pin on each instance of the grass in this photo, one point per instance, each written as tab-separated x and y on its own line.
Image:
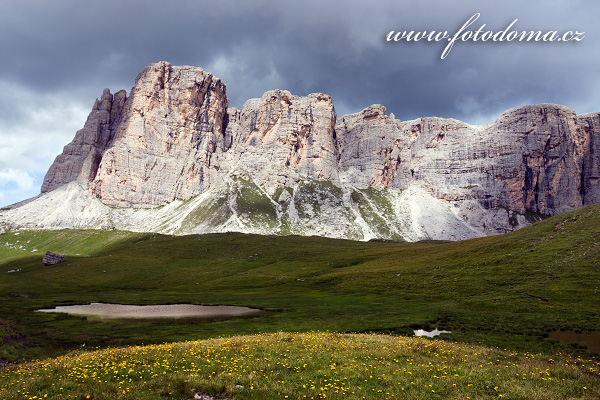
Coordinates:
253	204
304	366
374	207
312	194
508	291
214	213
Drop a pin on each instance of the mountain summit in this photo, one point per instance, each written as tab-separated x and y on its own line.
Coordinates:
171	157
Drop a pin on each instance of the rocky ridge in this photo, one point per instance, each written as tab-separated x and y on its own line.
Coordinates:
172	157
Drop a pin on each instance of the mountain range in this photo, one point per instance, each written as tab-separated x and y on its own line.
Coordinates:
172	157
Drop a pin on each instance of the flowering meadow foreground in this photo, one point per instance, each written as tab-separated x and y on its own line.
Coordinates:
304	366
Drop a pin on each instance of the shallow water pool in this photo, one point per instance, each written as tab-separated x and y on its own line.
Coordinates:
167	311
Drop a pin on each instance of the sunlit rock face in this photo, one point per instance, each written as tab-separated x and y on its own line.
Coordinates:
285	164
170	127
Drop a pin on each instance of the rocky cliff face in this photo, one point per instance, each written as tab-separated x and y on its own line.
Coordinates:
80	159
535	160
286	164
589	124
543	167
170	127
279	138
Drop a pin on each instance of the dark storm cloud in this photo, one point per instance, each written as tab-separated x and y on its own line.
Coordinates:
65	44
334	47
64	52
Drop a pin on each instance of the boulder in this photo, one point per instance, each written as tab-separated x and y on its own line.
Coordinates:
53	258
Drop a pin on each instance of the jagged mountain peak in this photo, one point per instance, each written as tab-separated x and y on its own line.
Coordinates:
287	164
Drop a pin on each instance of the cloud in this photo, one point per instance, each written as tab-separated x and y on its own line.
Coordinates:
19	178
33	130
15	185
35	126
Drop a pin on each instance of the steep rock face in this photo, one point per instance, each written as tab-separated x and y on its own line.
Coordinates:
80	159
529	160
286	164
374	150
171	126
590	177
433	158
279	138
540	159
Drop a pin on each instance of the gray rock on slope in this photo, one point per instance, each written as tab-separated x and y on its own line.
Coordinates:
53	258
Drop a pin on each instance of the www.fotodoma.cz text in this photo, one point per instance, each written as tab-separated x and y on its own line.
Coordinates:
464	34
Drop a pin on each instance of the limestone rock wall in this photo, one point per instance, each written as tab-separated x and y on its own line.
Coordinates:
280	137
171	126
374	149
589	124
541	159
80	159
288	159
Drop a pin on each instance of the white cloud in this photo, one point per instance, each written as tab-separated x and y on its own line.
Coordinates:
16	185
33	131
20	178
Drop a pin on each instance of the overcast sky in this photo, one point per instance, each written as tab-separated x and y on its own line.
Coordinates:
58	56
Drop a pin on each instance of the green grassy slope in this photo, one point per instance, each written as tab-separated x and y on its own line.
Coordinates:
304	366
508	290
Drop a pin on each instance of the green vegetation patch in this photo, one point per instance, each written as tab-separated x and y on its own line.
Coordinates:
253	204
311	196
82	242
377	210
213	212
381	199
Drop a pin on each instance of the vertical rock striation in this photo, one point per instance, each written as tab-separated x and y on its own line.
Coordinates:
171	126
80	159
589	124
540	160
279	138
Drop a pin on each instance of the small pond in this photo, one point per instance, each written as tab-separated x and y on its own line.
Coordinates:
168	311
590	339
